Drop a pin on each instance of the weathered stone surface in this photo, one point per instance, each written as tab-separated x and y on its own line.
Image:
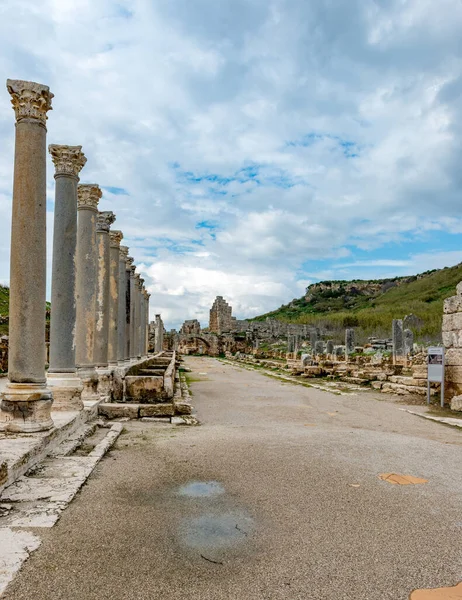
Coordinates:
398	338
144	388
453	357
156	410
349	341
452	305
452	339
456	403
117	410
452	321
183	408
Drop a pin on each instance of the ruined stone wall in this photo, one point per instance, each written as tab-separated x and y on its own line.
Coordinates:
191	326
220	316
452	340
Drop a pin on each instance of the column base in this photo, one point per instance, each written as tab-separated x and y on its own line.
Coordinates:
67	391
104	382
89	379
26	408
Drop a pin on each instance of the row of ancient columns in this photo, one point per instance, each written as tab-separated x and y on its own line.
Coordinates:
99	306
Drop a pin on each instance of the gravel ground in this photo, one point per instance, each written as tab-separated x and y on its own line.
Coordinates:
276	496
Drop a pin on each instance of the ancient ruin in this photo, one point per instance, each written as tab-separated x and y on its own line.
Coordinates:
99	333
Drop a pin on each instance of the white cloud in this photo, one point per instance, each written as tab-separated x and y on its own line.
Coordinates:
296	131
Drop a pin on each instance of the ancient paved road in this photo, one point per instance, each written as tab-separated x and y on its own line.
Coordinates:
297	509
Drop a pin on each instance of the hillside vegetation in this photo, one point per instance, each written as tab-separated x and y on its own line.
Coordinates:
372	305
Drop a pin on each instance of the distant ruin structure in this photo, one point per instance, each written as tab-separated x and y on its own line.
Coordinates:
220	316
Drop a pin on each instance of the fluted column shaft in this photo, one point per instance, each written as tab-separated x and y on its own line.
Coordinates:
136	314
103	224
142	320
123	253
128	308
88	196
133	289
26	402
113	337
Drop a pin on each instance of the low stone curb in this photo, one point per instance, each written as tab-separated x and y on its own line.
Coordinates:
445	420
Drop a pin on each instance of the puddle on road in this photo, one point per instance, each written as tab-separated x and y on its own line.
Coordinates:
201	489
216	532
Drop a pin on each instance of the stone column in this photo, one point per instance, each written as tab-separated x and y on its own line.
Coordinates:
349	342
26	401
113	339
137	317
103	225
398	341
123	253
133	289
128	308
62	373
159	335
88	196
147	322
142	319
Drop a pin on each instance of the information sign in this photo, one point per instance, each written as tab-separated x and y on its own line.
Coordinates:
435	370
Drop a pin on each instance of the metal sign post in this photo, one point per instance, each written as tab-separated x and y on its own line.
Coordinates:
435	370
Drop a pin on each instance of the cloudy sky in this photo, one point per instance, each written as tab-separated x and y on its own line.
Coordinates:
250	147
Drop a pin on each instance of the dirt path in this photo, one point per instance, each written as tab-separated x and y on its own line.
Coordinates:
277	495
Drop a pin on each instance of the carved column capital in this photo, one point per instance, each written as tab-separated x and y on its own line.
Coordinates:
88	196
123	253
30	100
68	160
116	237
104	220
129	262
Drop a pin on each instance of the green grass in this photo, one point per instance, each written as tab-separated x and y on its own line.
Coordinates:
422	296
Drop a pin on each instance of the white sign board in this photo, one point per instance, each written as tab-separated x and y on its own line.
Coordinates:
435	362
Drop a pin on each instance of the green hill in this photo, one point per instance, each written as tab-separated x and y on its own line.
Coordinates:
371	305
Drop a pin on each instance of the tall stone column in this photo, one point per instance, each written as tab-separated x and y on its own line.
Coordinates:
103	225
26	401
133	289
159	335
62	373
123	254
88	196
147	322
114	254
140	318
128	306
137	317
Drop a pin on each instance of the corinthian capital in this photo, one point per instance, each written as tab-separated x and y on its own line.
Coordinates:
116	237
88	195
123	252
129	263
104	220
30	100
68	160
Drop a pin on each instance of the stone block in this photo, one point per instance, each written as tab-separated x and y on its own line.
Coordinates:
452	339
459	288
456	403
452	305
452	322
117	411
377	385
453	357
183	408
453	373
144	388
164	409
